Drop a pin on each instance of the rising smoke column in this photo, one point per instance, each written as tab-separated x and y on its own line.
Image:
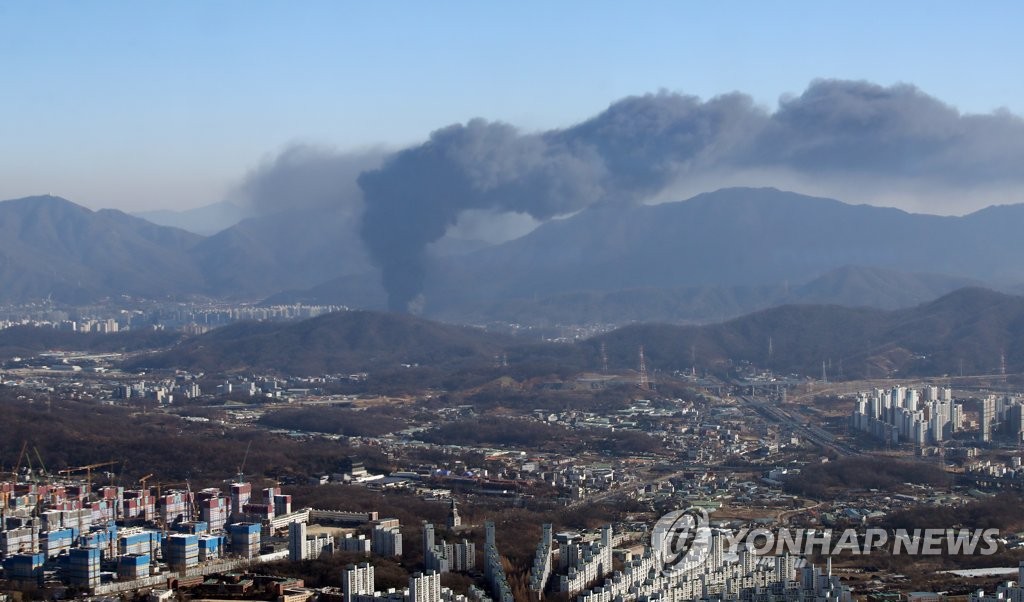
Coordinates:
623	155
419	193
839	135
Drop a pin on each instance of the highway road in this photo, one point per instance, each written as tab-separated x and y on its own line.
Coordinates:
813	433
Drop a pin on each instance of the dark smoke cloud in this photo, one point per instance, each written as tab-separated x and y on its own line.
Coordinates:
838	135
307	177
644	143
863	128
419	193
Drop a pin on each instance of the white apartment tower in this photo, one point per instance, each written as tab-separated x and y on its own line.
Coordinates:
357	580
425	587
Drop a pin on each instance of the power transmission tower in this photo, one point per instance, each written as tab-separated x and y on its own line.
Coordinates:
645	382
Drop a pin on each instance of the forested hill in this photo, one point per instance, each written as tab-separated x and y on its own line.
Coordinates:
351	341
971	330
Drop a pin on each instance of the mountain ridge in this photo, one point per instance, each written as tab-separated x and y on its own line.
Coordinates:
727	239
340	342
205	221
50	246
973	330
734	244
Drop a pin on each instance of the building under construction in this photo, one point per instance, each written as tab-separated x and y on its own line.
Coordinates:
107	538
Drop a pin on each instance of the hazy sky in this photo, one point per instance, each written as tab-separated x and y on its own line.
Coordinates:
143	105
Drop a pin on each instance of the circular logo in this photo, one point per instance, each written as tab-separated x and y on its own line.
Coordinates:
683	537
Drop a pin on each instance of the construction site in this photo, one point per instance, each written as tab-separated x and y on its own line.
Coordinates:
70	530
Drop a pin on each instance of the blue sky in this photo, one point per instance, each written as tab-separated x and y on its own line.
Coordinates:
143	105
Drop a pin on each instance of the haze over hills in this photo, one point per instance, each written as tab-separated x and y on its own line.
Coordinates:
206	220
262	255
737	236
50	247
321	214
715	256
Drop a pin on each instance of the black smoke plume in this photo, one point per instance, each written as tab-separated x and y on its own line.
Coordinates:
305	177
836	134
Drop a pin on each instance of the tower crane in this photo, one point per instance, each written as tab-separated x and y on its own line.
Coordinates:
160	486
241	467
39	457
88	472
17	465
